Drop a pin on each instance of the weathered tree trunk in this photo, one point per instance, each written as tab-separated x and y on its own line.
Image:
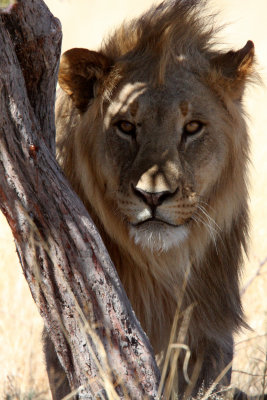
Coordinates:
96	335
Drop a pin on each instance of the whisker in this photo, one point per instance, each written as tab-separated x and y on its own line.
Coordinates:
211	230
207	223
208	216
207	205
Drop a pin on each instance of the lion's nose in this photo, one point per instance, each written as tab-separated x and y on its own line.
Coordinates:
153	199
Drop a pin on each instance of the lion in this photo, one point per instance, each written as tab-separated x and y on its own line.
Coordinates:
152	137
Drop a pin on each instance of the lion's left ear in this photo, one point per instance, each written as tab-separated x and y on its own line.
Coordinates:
233	68
79	71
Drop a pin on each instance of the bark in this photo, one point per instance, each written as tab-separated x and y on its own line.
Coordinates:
96	335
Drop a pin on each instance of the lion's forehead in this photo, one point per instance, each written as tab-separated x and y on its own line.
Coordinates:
177	101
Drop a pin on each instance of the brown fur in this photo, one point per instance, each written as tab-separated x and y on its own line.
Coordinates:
160	72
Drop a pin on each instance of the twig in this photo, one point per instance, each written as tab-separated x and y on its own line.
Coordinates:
261	265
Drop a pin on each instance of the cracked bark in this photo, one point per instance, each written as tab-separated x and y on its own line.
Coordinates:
96	335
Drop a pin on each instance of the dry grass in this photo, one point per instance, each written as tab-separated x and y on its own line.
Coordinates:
22	372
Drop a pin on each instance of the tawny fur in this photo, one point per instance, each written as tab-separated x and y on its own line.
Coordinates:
161	71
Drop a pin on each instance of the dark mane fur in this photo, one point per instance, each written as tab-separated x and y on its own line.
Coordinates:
166	31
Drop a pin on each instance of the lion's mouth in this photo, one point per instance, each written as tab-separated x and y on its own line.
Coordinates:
158	234
154	220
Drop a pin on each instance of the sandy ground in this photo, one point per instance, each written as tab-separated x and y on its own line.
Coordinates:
84	23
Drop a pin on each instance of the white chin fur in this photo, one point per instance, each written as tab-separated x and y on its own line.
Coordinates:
159	238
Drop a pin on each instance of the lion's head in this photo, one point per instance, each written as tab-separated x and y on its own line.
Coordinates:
152	137
161	130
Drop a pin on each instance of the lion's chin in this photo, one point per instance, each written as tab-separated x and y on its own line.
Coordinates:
158	236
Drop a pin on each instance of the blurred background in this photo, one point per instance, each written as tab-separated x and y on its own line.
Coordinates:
84	23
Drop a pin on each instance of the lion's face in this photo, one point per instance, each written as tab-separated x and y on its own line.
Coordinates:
162	151
155	154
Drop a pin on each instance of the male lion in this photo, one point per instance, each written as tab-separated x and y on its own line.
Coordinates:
151	136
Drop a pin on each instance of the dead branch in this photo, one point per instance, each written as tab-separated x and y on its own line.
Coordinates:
256	274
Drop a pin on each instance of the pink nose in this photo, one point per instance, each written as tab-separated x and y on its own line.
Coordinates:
153	199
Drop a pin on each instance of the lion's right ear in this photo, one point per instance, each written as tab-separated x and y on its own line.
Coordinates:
79	71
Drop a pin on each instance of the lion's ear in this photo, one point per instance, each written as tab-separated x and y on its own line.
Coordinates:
233	68
79	71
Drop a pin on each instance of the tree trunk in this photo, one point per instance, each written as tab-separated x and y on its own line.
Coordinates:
96	335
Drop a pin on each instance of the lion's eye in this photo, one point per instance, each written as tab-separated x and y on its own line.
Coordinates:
126	127
193	127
